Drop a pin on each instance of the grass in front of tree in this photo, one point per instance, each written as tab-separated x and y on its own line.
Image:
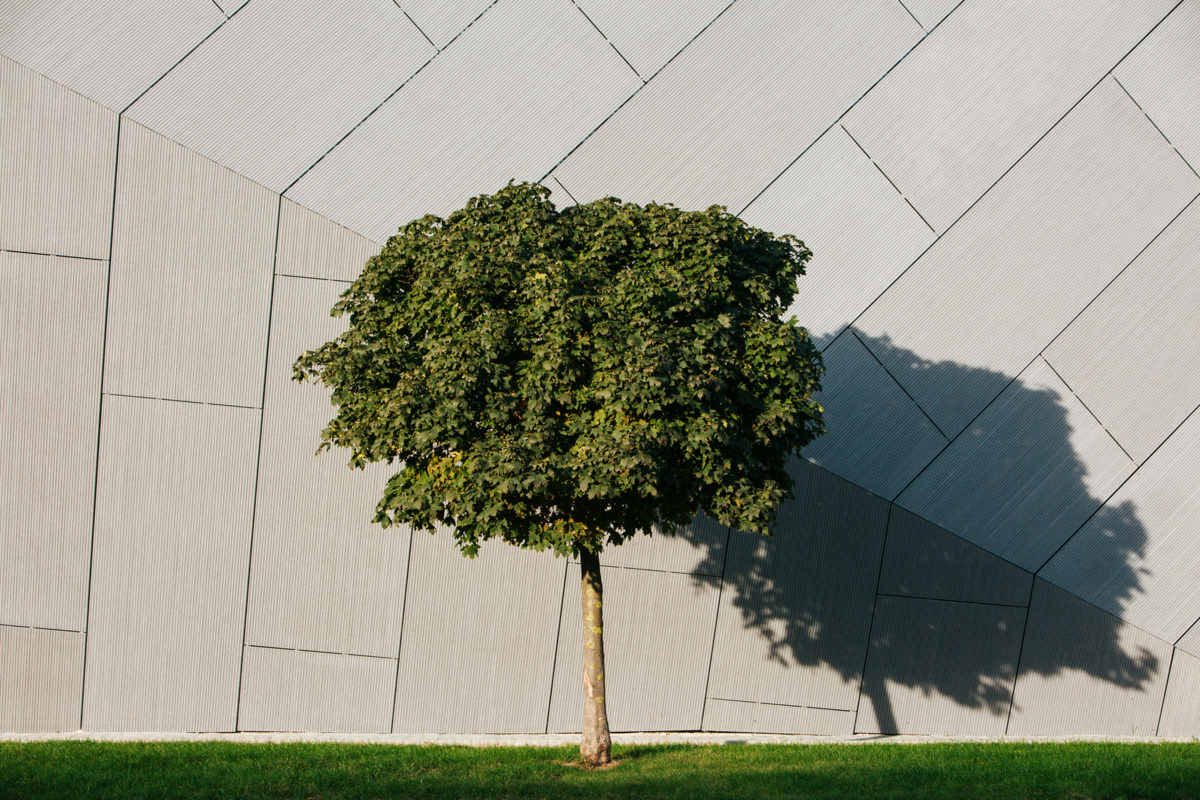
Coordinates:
127	770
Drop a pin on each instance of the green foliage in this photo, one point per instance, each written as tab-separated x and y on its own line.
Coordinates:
566	380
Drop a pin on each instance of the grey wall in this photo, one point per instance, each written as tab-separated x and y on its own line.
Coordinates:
995	536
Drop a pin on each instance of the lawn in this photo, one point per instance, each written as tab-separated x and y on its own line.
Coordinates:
119	770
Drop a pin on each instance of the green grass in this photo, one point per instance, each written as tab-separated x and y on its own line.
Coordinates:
119	770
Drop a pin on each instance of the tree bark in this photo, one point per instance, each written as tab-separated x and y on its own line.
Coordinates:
596	747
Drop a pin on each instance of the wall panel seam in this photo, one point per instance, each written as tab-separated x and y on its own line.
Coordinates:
49	255
1138	255
889	180
1112	494
645	83
562	604
949	600
181	60
400	643
887	525
415	25
319	652
610	41
716	619
262	402
112	225
1166	685
1020	653
371	113
781	705
936	427
1075	394
37	628
181	400
1155	124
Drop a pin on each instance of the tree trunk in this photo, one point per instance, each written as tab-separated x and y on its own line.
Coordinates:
596	747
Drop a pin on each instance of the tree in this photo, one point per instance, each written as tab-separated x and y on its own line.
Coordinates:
565	380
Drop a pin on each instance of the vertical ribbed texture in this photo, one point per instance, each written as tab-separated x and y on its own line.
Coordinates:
57	155
312	246
923	560
51	326
860	230
1057	466
796	608
877	437
1083	671
1134	354
109	52
657	637
701	133
1139	556
323	576
295	690
479	638
513	95
176	485
191	276
1163	74
279	85
648	34
1181	706
41	673
1035	250
947	122
937	666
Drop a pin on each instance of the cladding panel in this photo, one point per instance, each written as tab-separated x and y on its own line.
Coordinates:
323	577
283	82
1139	556
984	297
1083	671
657	640
860	230
190	290
795	609
922	560
312	246
41	679
940	667
58	153
1134	353
1181	706
107	52
648	35
695	136
1025	475
171	554
742	717
296	690
51	330
877	437
530	80
984	87
479	638
1163	76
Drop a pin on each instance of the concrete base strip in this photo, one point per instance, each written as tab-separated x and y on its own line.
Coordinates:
548	740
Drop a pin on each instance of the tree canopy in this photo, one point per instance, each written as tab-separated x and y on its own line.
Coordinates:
565	379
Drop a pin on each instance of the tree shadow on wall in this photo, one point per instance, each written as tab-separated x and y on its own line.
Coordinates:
832	603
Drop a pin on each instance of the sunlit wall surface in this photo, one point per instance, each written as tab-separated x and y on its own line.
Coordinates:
999	534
